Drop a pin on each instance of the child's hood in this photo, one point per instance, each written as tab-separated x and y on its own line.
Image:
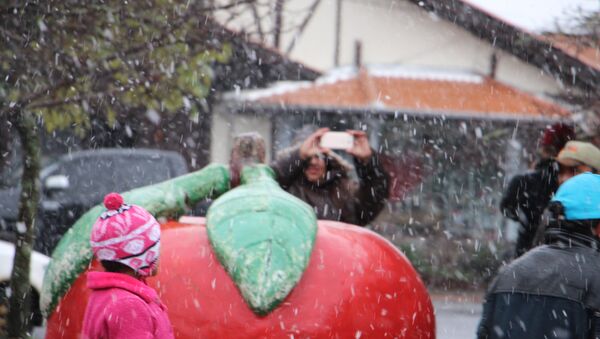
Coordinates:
108	280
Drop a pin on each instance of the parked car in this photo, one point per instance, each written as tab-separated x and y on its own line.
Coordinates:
39	263
79	180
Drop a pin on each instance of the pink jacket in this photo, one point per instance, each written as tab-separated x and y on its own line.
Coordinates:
121	306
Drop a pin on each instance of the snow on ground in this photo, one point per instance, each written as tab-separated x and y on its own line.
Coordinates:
457	315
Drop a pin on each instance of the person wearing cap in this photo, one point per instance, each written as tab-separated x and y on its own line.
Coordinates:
578	157
126	241
321	178
575	158
553	291
527	195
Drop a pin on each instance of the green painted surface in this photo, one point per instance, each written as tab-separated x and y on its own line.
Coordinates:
168	199
263	236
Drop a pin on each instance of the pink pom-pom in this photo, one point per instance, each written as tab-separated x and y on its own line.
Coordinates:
113	201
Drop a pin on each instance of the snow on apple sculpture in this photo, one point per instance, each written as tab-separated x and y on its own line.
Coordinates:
261	266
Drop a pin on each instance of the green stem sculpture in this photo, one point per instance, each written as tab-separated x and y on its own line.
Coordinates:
262	235
167	199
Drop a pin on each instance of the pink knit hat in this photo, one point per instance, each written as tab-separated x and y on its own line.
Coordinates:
127	234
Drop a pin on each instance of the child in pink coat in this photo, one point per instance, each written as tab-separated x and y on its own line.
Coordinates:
126	240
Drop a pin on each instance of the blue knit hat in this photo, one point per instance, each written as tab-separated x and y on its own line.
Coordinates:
580	197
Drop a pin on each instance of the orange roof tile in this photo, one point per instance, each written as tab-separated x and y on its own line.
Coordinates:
469	94
575	47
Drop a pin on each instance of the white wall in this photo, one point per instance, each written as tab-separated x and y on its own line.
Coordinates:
399	32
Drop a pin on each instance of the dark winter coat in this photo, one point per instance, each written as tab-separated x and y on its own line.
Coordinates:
526	198
337	197
552	291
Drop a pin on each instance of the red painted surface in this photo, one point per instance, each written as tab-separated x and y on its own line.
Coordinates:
356	285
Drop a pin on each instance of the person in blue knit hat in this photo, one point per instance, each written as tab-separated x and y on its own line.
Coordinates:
553	291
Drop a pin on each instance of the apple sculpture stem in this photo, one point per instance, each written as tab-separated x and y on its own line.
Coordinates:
168	199
263	236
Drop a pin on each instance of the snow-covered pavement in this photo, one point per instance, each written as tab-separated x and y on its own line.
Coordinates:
457	316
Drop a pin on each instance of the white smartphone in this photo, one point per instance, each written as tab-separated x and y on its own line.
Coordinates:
337	140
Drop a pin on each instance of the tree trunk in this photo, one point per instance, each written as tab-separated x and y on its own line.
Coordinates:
5	143
19	303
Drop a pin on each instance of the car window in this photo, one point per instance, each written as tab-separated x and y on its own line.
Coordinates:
135	172
93	177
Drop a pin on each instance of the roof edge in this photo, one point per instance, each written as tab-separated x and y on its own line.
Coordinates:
233	107
529	47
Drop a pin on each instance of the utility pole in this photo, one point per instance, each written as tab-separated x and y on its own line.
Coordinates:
358	54
338	31
493	65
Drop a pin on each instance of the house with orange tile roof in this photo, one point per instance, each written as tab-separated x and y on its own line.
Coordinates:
449	138
385	91
443	34
419	91
455	115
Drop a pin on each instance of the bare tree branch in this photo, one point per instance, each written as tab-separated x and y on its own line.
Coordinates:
302	26
257	22
233	4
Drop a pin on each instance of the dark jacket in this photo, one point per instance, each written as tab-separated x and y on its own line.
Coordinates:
552	291
338	197
526	197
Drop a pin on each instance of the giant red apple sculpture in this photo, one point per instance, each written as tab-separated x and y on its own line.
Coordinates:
260	267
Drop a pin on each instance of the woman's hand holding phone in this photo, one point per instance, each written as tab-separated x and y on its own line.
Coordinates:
312	145
361	149
355	143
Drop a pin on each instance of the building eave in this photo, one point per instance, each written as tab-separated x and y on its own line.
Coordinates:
250	107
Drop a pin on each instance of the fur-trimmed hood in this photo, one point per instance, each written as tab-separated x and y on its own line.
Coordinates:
337	167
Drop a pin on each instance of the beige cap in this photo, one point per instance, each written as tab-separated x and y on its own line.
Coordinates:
578	152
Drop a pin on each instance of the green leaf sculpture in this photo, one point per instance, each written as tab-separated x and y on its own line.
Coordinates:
166	199
263	236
